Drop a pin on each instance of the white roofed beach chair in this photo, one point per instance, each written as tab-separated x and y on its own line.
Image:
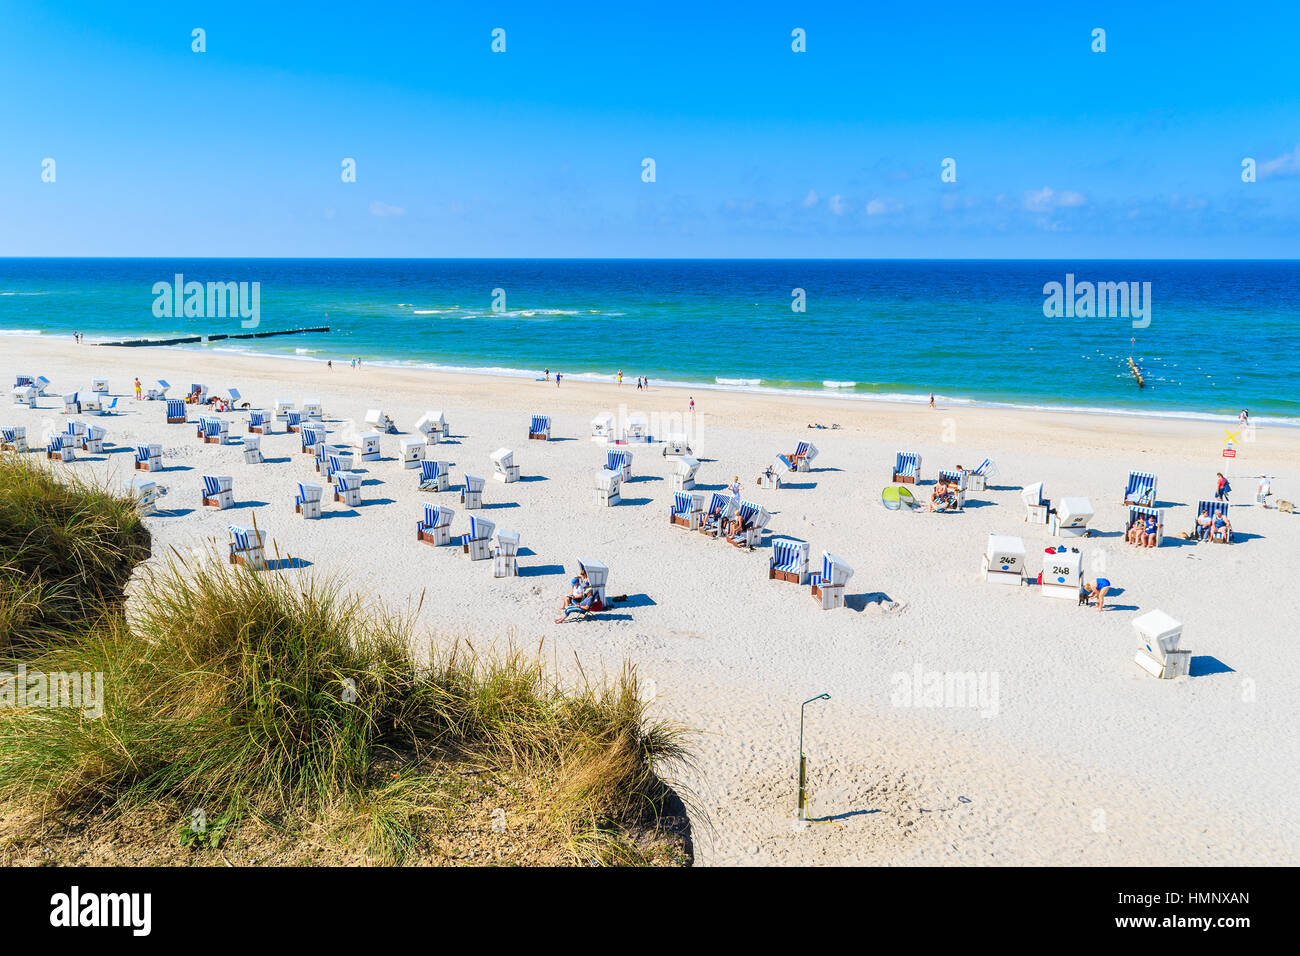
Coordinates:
721	508
311	438
158	391
282	408
24	395
828	583
609	487
260	422
1003	561
307	501
477	543
505	561
367	445
99	385
412	452
92	441
216	431
292	420
1139	514
471	494
789	561
540	428
803	455
503	460
1037	507
978	477
378	418
684	473
435	527
433	426
311	409
677	443
1070	518
146	492
602	428
339	460
59	447
253	450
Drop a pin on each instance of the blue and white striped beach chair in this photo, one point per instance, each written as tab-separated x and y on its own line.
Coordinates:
686	509
310	438
216	431
259	421
977	478
246	547
1211	508
620	461
13	438
92	441
755	518
1141	489
76	430
684	473
347	488
59	447
540	428
907	468
789	561
828	583
721	507
803	455
148	457
478	542
433	475
336	462
435	527
471	493
954	477
176	414
1139	513
217	491
293	420
25	381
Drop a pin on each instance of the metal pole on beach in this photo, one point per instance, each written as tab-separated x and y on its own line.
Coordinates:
803	763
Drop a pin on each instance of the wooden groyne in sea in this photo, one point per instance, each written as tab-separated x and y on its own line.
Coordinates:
1137	372
220	336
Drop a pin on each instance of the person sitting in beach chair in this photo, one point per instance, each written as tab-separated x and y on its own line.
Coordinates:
1221	528
1097	589
1203	526
1147	532
737	526
944	497
581	600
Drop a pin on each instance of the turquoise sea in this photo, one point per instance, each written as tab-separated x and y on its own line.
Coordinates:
1222	335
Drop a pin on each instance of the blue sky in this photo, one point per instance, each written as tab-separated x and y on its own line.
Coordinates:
759	151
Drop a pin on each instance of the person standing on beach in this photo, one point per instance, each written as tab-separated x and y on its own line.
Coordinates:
547	375
137	388
620	378
692	405
932	399
557	379
329	364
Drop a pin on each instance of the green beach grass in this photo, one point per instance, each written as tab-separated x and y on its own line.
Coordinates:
277	702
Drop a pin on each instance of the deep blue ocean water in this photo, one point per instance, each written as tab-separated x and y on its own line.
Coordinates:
1223	335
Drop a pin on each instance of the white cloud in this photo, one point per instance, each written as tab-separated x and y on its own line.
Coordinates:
378	208
811	199
1288	164
880	207
838	205
1046	199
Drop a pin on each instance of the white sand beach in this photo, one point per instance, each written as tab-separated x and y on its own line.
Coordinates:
1076	756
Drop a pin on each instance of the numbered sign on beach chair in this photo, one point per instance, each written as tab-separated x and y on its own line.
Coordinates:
367	445
477	543
412	451
602	428
789	561
1141	489
247	547
686	509
25	395
540	428
282	408
1071	518
1062	575
503	461
827	585
435	527
907	468
311	410
1004	560
434	475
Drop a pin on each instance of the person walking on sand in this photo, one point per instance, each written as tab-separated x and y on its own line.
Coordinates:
137	388
546	375
932	399
692	405
329	364
620	378
557	379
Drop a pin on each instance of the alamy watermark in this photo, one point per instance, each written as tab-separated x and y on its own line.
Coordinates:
1104	300
921	688
79	690
215	300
